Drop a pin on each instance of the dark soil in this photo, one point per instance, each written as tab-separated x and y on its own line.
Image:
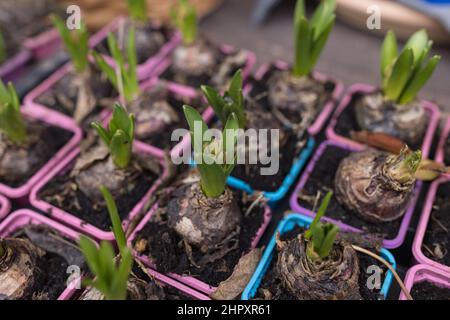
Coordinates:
346	122
427	291
78	204
447	151
52	278
322	179
272	282
48	141
436	242
169	255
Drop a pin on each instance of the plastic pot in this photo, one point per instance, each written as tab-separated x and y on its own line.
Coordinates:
422	272
5	206
44	44
431	109
286	225
440	153
187	280
14	66
295	206
54	120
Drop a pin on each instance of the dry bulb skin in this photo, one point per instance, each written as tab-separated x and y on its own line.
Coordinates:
194	59
377	185
375	113
332	278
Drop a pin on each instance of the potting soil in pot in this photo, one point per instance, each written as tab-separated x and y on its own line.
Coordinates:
55	254
322	180
76	189
272	288
167	250
447	151
425	290
436	242
20	163
347	123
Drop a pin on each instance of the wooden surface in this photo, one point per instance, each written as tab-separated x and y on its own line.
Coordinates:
351	55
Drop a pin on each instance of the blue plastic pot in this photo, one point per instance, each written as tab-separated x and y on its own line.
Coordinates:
286	225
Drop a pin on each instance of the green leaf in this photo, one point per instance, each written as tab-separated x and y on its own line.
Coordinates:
321	18
399	77
120	147
185	18
137	9
106	69
388	55
11	120
303	39
319	44
89	250
327	243
102	132
417	42
230	131
215	100
320	213
3	53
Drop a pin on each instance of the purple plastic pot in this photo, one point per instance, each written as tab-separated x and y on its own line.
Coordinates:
75	222
431	109
44	44
225	48
13	67
323	116
423	224
23	217
422	272
387	243
5	206
440	153
187	280
144	70
55	120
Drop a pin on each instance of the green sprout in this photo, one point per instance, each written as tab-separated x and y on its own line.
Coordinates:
3	54
184	17
124	79
215	159
11	121
137	9
231	102
321	236
404	74
111	277
403	167
310	36
76	43
118	136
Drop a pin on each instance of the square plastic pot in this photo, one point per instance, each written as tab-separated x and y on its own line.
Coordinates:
275	196
5	206
55	120
431	109
440	153
14	66
423	224
422	272
144	70
23	217
78	224
287	224
327	109
295	206
44	44
187	280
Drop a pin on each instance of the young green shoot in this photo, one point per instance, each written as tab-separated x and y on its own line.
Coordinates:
404	74
231	102
310	35
3	54
118	136
137	9
215	159
321	236
76	43
184	17
11	121
110	276
124	76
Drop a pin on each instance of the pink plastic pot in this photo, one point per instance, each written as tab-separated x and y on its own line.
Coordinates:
75	222
5	206
423	224
145	69
441	146
44	44
387	243
187	280
323	116
226	49
422	272
24	217
13	67
431	109
55	120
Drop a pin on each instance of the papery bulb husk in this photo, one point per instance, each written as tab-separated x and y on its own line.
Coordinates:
19	268
296	97
195	59
332	278
203	222
362	186
376	114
